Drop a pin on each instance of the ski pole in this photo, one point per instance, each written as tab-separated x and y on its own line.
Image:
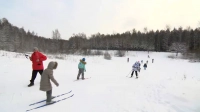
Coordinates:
129	73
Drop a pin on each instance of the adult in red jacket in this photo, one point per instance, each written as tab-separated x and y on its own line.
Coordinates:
37	59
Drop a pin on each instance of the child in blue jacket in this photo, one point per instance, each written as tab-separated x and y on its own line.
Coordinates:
81	67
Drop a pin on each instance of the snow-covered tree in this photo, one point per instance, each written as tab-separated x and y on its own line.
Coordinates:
4	20
56	34
178	47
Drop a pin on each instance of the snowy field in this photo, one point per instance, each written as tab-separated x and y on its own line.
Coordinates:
168	85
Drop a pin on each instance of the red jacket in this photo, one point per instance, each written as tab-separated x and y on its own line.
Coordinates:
37	59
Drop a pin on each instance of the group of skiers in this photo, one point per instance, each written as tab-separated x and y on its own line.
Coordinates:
37	59
136	67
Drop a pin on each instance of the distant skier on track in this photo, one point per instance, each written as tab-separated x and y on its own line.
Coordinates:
136	68
145	66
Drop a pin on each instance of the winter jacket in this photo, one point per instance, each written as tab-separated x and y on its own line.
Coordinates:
145	65
37	59
47	75
81	65
136	66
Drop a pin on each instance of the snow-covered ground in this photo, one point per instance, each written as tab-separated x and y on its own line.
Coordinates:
168	85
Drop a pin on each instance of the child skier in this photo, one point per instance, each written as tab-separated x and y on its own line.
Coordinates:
136	68
81	67
45	84
145	66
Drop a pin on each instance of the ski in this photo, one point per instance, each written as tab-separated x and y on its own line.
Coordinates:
82	79
52	98
50	103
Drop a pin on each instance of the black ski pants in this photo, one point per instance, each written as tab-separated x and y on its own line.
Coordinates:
135	74
34	74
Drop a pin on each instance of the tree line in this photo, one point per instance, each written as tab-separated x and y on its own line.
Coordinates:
181	40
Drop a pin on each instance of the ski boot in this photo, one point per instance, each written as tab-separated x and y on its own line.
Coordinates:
51	102
31	84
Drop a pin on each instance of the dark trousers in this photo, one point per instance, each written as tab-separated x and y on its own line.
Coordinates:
135	74
49	95
34	74
81	71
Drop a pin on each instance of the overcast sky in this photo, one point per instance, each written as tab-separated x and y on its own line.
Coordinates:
104	16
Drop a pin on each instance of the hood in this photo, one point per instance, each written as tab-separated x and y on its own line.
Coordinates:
82	61
52	65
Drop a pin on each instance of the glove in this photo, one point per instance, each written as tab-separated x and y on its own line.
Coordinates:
57	85
26	55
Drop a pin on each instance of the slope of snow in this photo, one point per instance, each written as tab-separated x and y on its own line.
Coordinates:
168	85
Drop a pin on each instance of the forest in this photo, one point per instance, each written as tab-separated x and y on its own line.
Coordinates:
178	40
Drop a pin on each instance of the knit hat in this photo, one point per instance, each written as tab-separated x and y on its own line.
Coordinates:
83	59
35	48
